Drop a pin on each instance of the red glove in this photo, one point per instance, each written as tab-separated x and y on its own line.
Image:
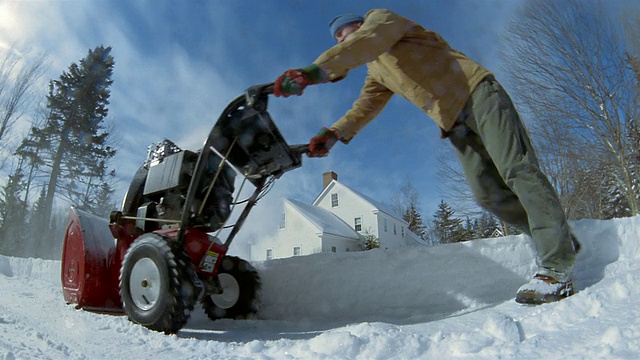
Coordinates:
320	144
293	81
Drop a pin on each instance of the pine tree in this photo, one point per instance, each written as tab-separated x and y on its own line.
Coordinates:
104	203
508	229
37	214
414	219
73	144
34	229
617	195
447	228
370	242
487	225
468	232
13	211
405	203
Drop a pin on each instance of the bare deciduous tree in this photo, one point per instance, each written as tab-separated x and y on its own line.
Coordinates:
17	77
454	185
571	79
405	204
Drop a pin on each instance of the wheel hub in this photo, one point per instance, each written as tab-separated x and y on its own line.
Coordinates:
230	292
145	283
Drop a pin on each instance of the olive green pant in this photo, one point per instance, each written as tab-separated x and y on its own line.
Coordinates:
502	169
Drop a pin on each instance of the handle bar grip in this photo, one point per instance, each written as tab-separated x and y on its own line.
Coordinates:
268	88
253	93
300	149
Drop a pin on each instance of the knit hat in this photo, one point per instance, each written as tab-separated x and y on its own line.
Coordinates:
343	20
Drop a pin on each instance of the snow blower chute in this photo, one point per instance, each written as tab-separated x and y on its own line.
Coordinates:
164	251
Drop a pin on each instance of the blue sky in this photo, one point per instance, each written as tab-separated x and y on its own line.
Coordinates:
178	63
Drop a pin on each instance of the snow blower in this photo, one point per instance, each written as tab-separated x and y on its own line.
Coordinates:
166	249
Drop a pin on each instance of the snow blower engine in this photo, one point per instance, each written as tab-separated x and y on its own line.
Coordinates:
166	249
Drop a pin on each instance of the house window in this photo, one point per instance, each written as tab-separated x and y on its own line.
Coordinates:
333	249
394	229
358	224
385	225
296	250
282	221
403	231
269	254
334	200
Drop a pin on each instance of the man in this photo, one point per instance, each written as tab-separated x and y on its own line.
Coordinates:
471	109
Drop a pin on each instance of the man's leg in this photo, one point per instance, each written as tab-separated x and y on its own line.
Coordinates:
487	186
491	116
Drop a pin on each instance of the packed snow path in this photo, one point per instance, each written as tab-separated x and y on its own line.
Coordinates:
449	301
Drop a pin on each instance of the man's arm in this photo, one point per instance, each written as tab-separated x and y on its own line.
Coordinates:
373	98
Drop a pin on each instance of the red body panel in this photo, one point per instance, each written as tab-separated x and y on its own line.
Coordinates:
87	264
205	254
92	257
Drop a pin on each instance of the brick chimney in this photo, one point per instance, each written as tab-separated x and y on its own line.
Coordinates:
327	178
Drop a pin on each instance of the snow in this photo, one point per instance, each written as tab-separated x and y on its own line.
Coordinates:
444	302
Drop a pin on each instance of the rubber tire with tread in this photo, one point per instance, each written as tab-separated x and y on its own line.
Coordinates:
248	280
177	294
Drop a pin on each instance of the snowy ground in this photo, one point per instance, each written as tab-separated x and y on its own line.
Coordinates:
451	301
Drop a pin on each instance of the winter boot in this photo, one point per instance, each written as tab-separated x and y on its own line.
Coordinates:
544	289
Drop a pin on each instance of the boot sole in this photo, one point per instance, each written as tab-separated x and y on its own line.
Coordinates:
531	298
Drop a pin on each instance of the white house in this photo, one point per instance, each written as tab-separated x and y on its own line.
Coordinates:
336	221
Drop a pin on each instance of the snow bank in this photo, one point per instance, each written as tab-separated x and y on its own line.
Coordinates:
48	270
450	301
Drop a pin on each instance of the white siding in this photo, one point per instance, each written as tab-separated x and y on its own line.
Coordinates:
352	205
341	244
297	232
389	240
349	207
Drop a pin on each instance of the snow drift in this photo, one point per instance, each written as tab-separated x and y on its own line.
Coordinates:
449	301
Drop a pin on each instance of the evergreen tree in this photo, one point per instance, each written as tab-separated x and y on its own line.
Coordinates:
29	157
618	195
468	232
615	204
13	212
103	203
414	219
447	228
370	242
476	229
487	225
37	213
508	229
73	144
405	203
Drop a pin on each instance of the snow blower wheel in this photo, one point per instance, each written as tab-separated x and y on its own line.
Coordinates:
156	283
240	285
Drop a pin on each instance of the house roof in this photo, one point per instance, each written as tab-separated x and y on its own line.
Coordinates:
374	204
324	220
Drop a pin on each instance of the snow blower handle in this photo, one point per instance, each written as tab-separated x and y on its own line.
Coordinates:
298	150
255	93
256	98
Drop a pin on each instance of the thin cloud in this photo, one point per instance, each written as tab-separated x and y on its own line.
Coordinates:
178	65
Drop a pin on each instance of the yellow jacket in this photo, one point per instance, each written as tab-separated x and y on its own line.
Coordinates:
405	59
